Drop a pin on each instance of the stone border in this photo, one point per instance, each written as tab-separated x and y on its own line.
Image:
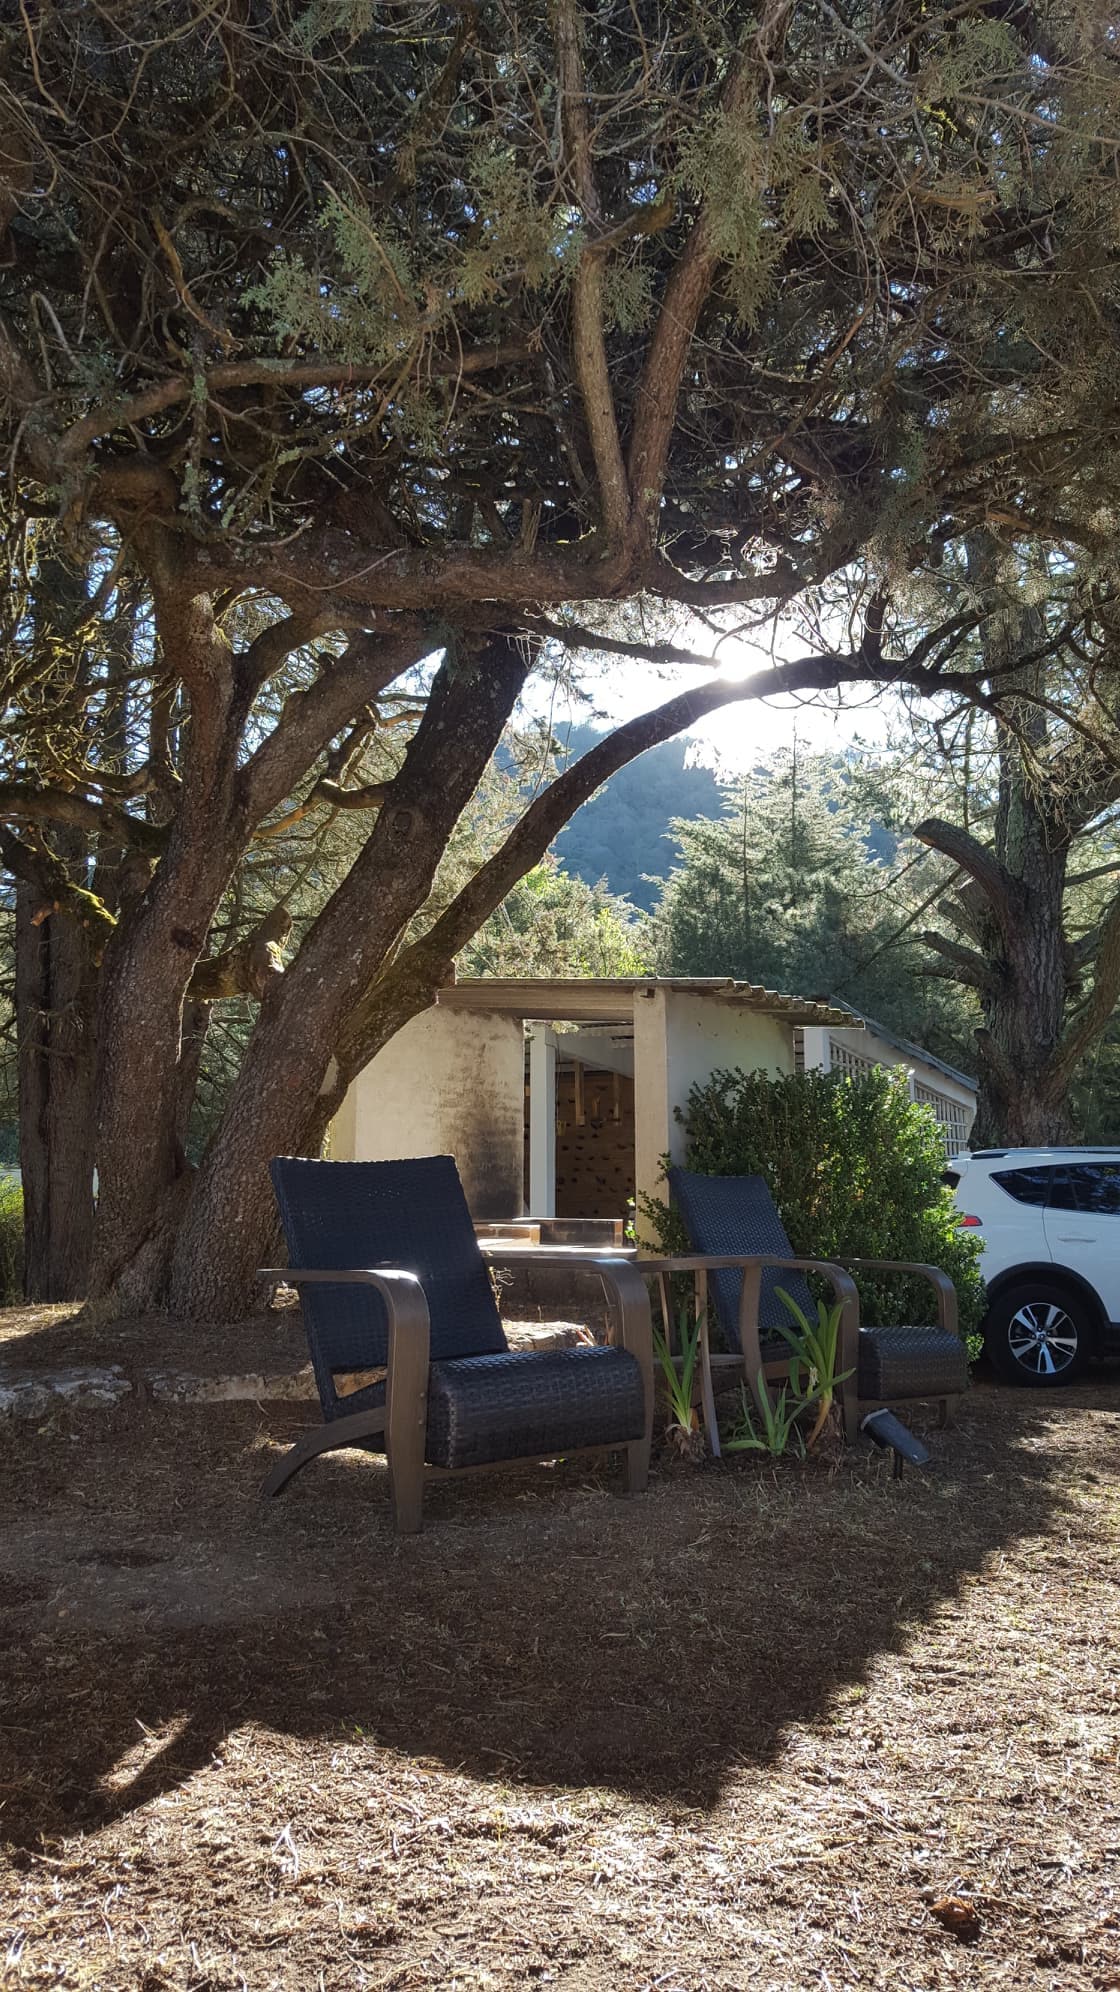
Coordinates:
31	1394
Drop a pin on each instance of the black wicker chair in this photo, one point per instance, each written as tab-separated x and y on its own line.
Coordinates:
730	1217
397	1301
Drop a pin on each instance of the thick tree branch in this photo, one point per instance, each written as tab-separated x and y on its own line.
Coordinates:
40	868
310	720
295	376
274	645
659	386
589	346
965	964
248	968
22	802
1087	1025
1001	891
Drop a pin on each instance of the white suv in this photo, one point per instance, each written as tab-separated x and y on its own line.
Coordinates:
1049	1223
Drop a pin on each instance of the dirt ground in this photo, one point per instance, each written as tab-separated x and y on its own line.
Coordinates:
757	1728
38	1339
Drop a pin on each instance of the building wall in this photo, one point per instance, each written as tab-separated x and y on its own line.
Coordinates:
452	1082
680	1039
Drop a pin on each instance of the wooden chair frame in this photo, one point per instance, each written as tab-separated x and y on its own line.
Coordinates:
749	1364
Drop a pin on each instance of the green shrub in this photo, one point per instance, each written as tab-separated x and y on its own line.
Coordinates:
854	1166
11	1242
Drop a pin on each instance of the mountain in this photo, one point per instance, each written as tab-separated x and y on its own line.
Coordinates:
622	834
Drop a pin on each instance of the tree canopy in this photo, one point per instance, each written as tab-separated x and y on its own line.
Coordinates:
424	307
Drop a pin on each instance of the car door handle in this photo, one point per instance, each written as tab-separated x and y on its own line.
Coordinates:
1073	1237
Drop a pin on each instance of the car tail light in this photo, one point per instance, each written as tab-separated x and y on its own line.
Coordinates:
972	1223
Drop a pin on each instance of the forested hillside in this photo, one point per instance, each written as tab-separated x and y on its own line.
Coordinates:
624	835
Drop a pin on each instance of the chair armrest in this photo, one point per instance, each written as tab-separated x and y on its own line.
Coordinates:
406	1383
718	1262
947	1313
405	1306
393	1284
752	1265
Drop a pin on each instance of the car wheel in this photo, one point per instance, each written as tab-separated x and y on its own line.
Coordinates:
1039	1333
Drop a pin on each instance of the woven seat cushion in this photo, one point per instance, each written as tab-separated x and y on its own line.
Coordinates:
518	1405
896	1363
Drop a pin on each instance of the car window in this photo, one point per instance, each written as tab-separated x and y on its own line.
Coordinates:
951	1178
1029	1186
1091	1187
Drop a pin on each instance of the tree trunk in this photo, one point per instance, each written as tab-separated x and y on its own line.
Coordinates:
1023	932
287	1065
146	972
55	1025
1021	1105
55	1000
1011	908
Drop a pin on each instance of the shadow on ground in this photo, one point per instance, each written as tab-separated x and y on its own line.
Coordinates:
541	1630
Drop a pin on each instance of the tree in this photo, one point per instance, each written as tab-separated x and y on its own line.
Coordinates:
54	999
551	924
342	341
799	887
1046	991
554	924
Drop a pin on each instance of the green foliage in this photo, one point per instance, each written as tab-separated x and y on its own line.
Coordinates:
679	1377
11	1241
802	882
815	1345
555	924
855	1169
771	1426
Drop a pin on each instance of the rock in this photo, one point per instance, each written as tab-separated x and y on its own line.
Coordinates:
70	1390
168	1387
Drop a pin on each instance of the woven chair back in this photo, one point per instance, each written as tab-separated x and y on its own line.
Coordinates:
412	1215
737	1214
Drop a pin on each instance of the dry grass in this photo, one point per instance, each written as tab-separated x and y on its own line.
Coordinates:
750	1730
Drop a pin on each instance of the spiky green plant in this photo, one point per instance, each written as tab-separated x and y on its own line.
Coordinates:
679	1373
815	1347
770	1426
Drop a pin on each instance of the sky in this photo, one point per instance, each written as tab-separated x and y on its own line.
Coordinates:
740	734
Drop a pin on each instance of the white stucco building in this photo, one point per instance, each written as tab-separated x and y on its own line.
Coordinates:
559	1098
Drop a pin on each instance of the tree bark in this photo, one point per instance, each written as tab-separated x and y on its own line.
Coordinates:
287	1065
55	992
1015	905
145	976
55	1026
1011	906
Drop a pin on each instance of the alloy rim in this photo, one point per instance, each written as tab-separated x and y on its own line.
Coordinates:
1042	1338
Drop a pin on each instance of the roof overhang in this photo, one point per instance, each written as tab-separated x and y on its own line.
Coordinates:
613	1001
